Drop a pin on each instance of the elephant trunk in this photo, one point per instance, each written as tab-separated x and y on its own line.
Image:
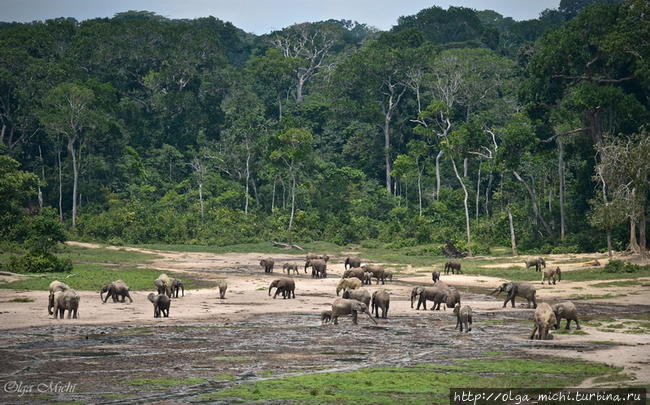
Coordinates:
270	287
183	290
371	318
50	304
496	291
101	295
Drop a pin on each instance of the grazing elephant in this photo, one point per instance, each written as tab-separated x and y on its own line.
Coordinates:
544	322
463	317
380	299
348	284
163	285
284	285
355	272
325	316
360	294
435	276
177	285
451	297
223	286
318	268
550	274
377	272
161	303
538	263
267	264
117	289
565	310
353	262
435	294
55	286
453	266
519	289
66	300
342	306
289	267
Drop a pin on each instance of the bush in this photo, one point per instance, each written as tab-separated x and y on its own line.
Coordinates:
34	262
618	266
565	249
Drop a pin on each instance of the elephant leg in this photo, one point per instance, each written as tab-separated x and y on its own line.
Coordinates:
568	323
577	323
532	335
354	317
336	319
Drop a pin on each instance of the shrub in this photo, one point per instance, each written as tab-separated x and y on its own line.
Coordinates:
35	262
565	249
618	266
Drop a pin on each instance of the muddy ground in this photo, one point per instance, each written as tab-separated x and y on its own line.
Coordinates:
106	353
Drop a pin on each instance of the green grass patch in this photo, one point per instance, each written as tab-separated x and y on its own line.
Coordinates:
267	373
414	385
21	299
166	382
570	332
261	247
621	283
224	377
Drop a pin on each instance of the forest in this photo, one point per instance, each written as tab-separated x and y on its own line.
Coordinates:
456	125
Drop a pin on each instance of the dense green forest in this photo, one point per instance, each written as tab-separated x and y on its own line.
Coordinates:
457	124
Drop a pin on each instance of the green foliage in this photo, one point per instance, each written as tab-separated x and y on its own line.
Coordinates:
39	262
618	266
45	232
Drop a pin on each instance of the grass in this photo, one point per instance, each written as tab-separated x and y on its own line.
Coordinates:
260	247
622	283
224	377
166	382
570	332
414	385
21	299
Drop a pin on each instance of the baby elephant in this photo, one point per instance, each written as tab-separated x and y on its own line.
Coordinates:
223	286
289	267
565	310
550	274
161	303
286	286
177	285
544	322
325	317
435	276
463	317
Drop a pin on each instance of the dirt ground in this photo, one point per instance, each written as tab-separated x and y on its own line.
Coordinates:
204	335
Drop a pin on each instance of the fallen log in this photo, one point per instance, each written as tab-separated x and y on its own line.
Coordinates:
286	245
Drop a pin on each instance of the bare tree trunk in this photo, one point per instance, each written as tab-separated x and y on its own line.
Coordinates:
201	200
562	179
478	189
420	191
273	197
248	174
513	239
58	156
465	200
387	152
533	200
40	192
487	195
465	166
279	107
609	243
642	236
293	207
438	156
299	86
75	172
634	245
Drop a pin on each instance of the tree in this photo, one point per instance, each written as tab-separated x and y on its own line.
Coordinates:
16	187
45	232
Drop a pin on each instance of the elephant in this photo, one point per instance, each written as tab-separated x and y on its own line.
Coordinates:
348	284
565	310
451	297
380	299
360	294
177	285
353	262
538	263
66	300
367	278
161	304
286	286
355	272
267	264
314	256
325	316
435	276
544	321
289	267
163	285
435	294
463	317
388	275
549	274
377	272
223	286
54	287
453	266
318	268
116	289
342	306
518	289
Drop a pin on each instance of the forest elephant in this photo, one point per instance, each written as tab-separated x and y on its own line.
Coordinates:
544	321
550	274
348	284
435	276
353	262
377	272
360	294
289	267
284	286
518	289
65	300
354	272
163	285
267	265
367	278
435	294
118	290
161	304
451	297
388	274
54	287
565	310
176	286
313	256
453	266
380	300
342	306
463	317
318	268
325	316
223	286
538	263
